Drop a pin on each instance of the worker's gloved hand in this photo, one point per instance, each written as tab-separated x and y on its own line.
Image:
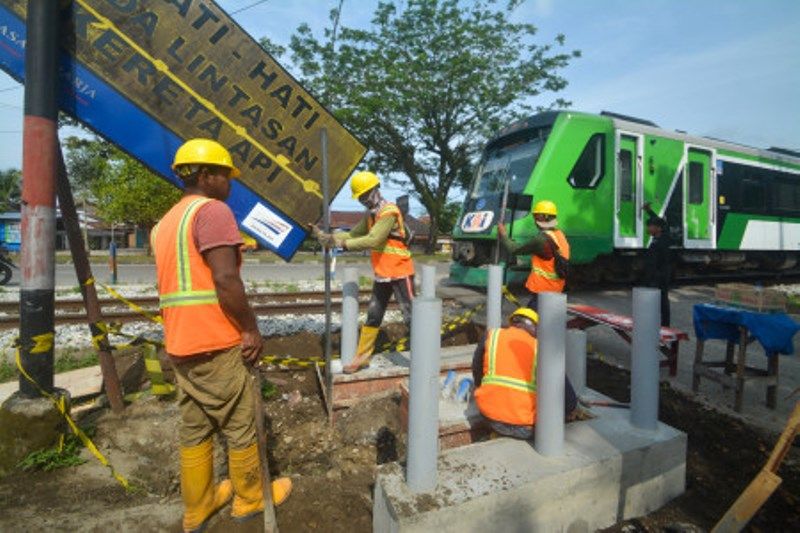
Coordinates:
327	240
315	231
338	240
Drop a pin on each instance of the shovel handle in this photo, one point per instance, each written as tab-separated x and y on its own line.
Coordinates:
270	521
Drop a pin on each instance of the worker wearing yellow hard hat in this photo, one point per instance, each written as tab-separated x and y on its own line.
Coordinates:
383	232
210	333
504	373
549	251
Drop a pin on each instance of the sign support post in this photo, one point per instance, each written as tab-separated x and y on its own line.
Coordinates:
40	140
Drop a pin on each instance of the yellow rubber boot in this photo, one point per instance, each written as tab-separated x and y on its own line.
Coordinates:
366	345
244	466
200	497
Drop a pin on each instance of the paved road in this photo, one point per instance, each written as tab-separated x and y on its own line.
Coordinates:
279	272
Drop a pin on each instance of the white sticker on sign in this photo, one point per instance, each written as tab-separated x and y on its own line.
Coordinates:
267	224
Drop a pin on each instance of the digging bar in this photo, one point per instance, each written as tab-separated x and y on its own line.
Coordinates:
270	522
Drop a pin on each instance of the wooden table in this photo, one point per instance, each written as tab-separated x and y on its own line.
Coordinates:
738	328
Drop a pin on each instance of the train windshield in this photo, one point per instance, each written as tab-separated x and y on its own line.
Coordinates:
513	163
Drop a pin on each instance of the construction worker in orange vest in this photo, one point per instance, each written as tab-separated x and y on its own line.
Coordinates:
504	372
382	231
211	333
549	249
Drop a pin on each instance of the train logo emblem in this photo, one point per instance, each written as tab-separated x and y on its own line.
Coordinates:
476	221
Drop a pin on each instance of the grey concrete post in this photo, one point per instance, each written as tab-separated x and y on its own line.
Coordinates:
644	358
428	281
550	370
423	401
349	340
576	359
494	297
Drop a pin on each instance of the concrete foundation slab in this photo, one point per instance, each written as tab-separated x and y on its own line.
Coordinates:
609	472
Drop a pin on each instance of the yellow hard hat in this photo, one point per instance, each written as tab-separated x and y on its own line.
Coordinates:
362	182
545	207
204	152
525	312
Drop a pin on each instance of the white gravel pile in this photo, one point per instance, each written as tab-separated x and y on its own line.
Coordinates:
76	337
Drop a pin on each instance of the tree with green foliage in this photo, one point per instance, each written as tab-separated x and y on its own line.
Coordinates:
10	189
121	187
427	84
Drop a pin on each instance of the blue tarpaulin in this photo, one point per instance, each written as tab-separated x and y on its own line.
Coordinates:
773	330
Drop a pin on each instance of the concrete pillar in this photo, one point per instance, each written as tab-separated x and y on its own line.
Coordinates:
494	297
644	357
428	281
423	402
349	338
576	359
550	370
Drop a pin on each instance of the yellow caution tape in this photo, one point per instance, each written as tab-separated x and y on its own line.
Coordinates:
60	404
134	307
43	343
510	297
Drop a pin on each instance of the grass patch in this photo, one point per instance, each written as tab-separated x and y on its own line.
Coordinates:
72	359
57	457
68	359
268	390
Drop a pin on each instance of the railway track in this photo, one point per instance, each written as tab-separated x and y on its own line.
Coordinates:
264	304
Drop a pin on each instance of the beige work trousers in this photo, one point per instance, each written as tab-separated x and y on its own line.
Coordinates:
215	395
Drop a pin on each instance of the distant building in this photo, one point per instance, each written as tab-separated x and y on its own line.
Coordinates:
98	233
10	230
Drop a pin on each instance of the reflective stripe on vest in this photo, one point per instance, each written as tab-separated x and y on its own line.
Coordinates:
491	377
185	295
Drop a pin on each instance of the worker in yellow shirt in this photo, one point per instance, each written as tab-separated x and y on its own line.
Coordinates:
381	231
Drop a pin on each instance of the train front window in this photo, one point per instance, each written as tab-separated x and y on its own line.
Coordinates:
513	163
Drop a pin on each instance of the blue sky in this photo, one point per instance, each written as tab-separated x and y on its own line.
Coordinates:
727	69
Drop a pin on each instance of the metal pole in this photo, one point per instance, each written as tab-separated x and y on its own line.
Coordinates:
428	281
576	359
494	297
83	271
39	142
423	387
644	357
550	368
349	339
326	221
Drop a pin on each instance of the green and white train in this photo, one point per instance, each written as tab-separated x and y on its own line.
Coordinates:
728	206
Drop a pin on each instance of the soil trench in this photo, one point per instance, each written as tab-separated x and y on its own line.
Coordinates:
333	468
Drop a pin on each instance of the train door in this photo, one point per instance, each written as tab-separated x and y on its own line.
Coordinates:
628	187
699	187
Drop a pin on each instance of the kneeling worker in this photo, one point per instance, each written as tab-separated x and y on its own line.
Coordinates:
211	333
382	231
504	371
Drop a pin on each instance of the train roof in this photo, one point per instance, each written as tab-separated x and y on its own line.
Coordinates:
638	125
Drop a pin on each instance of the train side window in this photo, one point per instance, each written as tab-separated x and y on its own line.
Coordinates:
786	196
588	169
695	183
625	176
752	195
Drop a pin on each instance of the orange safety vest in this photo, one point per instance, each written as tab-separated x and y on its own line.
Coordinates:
508	388
194	322
543	277
392	259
